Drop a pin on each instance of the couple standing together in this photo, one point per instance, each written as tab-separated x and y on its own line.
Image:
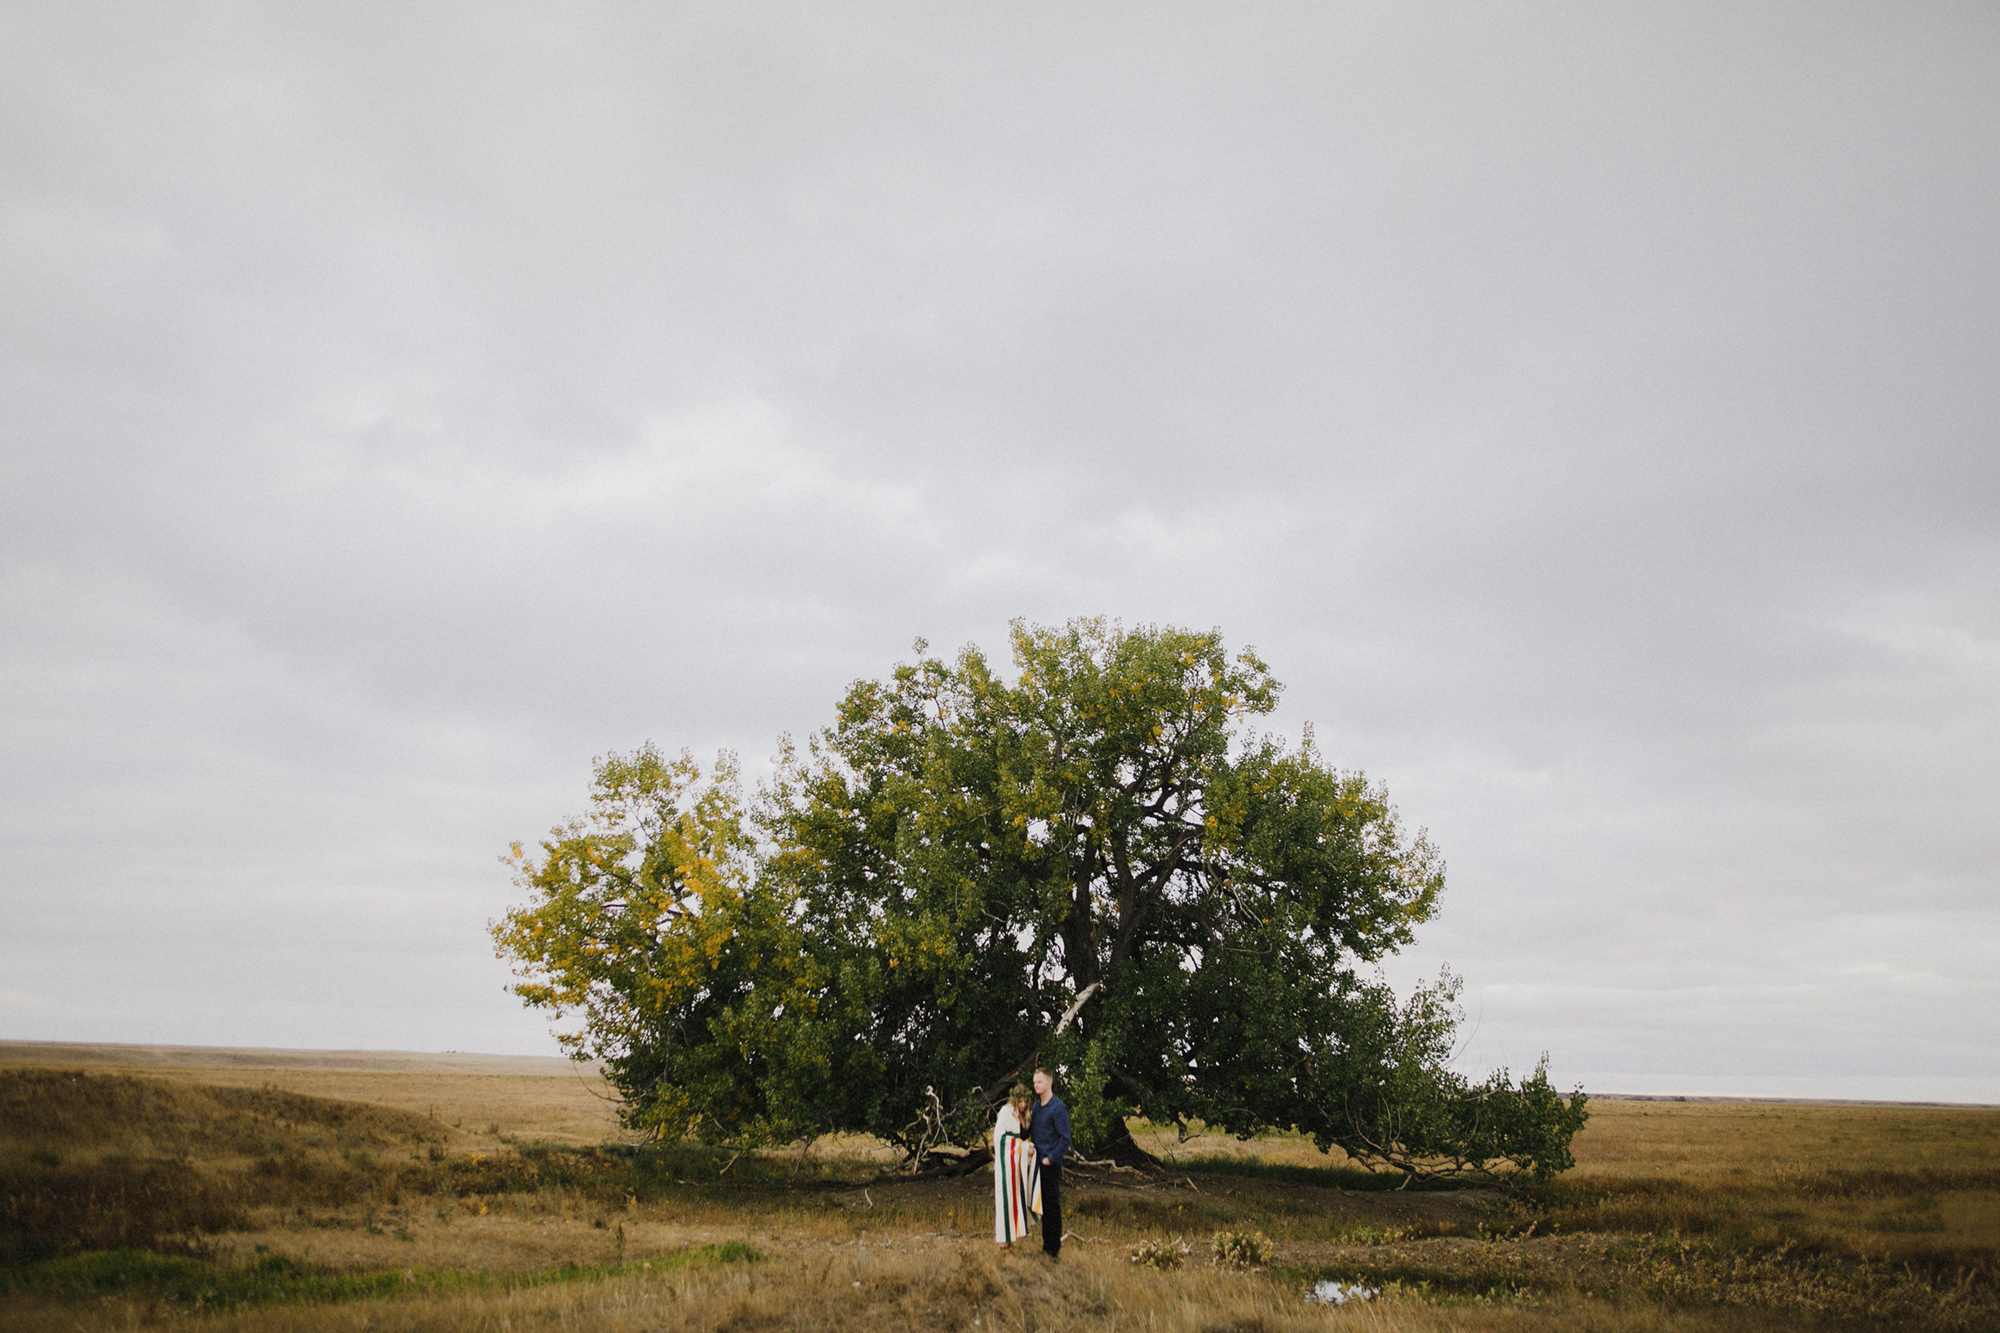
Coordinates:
1030	1140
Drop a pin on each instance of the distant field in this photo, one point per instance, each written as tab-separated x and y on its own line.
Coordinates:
278	1189
1651	1138
479	1098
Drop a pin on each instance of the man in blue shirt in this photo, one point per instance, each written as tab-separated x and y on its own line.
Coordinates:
1051	1134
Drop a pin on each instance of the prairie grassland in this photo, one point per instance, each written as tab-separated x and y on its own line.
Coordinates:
1674	1138
1915	1184
236	1195
1696	1139
478	1100
946	1289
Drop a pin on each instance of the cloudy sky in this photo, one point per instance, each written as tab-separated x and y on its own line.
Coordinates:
1588	410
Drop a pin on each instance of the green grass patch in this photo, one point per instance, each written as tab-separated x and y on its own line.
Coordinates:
275	1279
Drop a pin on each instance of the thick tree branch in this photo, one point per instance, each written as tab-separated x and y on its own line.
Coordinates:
1076	1007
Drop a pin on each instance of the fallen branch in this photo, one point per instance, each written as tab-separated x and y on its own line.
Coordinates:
955	1167
1106	1165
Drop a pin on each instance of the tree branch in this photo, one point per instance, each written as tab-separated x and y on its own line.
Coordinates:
1077	1005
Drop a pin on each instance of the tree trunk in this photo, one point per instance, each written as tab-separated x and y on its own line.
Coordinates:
1120	1147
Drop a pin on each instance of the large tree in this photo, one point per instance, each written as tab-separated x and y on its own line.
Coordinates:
1097	865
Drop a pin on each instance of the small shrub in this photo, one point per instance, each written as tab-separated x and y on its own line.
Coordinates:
1241	1249
1156	1253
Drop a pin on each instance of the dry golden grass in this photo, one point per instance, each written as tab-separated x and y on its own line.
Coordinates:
479	1099
945	1287
1892	1183
1701	1139
1681	1216
1660	1138
1207	1146
98	1115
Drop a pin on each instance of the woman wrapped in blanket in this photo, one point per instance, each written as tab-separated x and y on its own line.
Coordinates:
1017	1177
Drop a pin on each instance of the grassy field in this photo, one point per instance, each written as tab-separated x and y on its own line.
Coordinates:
284	1191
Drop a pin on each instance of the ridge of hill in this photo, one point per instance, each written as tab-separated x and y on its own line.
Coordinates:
72	1055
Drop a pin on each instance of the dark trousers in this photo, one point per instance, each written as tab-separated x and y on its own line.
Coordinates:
1052	1209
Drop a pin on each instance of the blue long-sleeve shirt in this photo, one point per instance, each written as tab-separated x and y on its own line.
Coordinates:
1051	1130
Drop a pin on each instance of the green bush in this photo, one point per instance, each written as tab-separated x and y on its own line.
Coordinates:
1241	1249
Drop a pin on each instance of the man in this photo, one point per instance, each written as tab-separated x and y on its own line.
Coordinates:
1051	1133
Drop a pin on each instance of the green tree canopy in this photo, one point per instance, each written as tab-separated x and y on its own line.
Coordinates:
1099	865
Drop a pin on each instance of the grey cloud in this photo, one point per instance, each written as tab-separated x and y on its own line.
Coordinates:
1588	415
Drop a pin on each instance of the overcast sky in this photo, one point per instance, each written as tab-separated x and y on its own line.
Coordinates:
1588	410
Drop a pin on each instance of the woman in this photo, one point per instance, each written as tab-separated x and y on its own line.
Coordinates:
1017	1179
